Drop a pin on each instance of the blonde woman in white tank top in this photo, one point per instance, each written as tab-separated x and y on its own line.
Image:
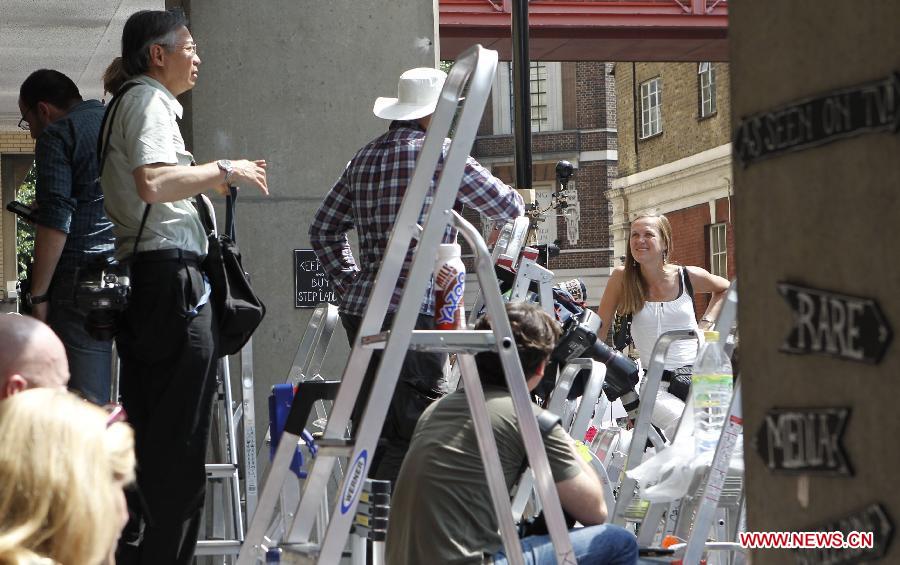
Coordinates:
655	292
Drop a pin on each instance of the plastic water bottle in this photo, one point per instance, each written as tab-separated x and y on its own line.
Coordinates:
449	285
711	387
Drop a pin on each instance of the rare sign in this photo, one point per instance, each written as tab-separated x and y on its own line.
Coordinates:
828	323
874	106
872	519
311	284
804	440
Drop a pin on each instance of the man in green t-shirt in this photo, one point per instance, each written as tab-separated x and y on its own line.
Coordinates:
441	511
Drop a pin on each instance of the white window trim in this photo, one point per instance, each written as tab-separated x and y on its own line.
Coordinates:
723	252
709	71
658	82
500	96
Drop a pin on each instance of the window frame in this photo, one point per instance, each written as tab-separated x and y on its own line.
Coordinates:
706	90
649	111
501	99
718	233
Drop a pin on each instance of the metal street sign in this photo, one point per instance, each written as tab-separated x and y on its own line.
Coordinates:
311	284
873	518
828	323
804	440
870	107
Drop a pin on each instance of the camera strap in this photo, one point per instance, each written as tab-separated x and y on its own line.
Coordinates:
106	124
207	221
103	147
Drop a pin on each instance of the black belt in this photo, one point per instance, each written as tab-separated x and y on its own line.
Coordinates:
165	255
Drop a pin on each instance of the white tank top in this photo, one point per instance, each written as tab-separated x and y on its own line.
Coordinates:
656	318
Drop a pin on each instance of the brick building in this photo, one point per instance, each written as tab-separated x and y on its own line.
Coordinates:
573	113
16	158
675	159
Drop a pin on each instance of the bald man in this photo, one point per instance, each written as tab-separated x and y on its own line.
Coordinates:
31	356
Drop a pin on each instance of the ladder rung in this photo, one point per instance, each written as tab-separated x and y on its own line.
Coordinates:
309	549
335	447
220	470
218	547
452	341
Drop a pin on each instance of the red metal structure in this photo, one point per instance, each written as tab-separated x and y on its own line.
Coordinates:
592	30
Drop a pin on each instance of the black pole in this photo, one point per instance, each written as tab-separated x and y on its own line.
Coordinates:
521	93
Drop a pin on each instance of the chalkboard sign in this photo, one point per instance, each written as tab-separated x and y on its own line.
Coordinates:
311	285
874	518
804	440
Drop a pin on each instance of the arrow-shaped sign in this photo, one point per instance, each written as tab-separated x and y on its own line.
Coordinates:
828	323
869	107
873	518
804	440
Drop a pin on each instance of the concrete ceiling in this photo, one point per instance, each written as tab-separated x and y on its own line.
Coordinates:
76	37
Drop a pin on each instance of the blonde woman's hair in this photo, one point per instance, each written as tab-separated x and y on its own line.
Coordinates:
633	285
61	474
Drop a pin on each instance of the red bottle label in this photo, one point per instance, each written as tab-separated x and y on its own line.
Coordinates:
450	284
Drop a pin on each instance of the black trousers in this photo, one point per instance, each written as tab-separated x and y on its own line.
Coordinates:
167	382
421	382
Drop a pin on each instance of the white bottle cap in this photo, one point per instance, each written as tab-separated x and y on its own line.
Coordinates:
448	250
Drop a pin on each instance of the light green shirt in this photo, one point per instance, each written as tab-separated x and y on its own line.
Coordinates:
441	508
144	132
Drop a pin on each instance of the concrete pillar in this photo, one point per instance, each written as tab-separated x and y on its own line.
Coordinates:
820	216
293	82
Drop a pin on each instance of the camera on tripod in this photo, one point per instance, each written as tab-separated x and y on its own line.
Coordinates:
102	292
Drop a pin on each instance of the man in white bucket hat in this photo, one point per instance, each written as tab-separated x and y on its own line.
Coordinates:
367	197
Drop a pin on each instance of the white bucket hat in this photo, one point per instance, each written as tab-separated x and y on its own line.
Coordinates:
418	91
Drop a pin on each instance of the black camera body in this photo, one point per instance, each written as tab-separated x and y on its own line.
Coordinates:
103	289
578	334
23	210
579	339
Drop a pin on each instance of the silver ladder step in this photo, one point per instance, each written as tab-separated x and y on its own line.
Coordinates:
221	470
456	341
335	447
218	547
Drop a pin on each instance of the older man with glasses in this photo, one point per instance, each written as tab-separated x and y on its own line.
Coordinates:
72	229
167	334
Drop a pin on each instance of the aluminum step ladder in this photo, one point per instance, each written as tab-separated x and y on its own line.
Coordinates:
306	368
307	363
227	504
718	499
474	70
642	428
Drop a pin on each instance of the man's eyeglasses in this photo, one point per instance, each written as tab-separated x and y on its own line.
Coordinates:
23	123
190	48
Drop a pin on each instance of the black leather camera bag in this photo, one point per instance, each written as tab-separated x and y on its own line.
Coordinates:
238	309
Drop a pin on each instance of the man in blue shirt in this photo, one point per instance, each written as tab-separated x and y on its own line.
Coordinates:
72	229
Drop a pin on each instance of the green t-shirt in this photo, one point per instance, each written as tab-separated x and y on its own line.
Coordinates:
441	510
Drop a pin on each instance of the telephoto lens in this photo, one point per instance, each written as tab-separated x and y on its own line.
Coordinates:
580	339
621	372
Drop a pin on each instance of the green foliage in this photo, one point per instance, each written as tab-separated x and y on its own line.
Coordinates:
25	230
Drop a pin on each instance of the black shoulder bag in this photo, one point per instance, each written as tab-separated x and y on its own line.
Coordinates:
238	309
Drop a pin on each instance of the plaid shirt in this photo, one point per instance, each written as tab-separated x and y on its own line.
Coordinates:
67	188
368	196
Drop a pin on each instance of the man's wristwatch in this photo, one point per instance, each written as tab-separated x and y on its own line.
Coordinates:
226	167
31	299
